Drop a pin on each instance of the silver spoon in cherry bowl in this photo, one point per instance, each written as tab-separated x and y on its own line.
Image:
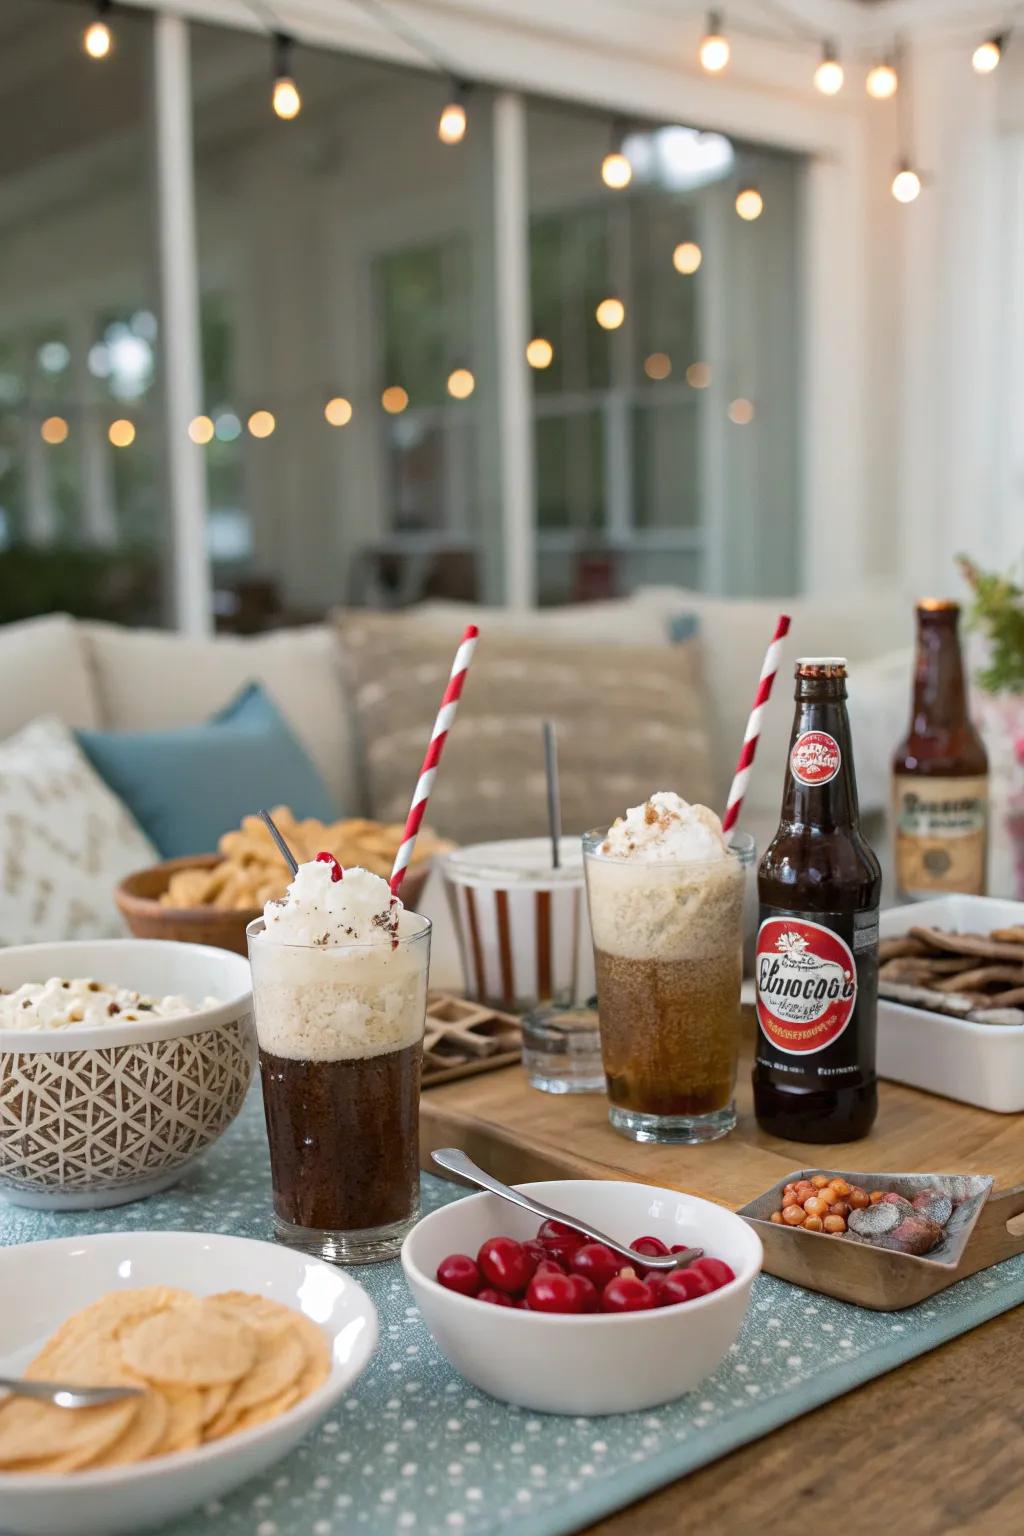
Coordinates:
454	1161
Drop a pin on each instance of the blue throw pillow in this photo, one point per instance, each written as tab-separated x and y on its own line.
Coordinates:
187	786
682	627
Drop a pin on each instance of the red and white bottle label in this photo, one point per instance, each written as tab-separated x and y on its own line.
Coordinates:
815	758
806	984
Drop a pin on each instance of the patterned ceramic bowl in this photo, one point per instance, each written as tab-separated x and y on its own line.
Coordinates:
99	1115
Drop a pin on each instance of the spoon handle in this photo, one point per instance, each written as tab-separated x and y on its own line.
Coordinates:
456	1161
65	1396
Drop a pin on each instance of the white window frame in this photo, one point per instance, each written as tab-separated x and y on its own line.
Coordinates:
617	55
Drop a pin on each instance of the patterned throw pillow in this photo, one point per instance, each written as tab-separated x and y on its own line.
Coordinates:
630	719
65	841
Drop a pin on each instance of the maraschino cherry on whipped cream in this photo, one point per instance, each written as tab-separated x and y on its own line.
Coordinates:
667	828
326	905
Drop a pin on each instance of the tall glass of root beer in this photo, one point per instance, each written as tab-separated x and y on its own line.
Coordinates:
665	892
339	972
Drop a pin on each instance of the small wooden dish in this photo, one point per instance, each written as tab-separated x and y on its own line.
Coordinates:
138	900
462	1038
982	1231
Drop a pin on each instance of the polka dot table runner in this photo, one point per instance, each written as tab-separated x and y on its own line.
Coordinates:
415	1449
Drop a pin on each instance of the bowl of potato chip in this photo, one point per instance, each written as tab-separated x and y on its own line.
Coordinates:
212	898
236	1348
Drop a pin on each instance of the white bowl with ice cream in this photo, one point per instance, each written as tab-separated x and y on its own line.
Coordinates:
105	1096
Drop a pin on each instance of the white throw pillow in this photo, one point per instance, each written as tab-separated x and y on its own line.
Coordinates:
44	672
65	841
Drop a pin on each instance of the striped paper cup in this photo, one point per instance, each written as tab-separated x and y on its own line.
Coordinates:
523	929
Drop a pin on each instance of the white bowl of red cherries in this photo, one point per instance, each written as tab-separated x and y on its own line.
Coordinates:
556	1323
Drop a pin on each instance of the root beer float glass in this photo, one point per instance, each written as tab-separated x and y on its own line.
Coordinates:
665	893
339	971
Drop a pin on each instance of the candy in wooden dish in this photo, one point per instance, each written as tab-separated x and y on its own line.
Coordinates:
894	1250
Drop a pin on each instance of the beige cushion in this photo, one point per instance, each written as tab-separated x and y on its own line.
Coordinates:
734	635
630	720
617	621
44	671
67	841
150	679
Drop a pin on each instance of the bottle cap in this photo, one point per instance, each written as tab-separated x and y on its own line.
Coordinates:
821	661
937	605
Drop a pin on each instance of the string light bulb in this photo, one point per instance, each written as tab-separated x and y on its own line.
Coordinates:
610	314
394	399
539	352
715	51
829	75
201	430
906	184
749	204
987	55
882	82
338	411
98	39
687	257
261	424
287	101
451	125
461	383
54	430
121	432
616	171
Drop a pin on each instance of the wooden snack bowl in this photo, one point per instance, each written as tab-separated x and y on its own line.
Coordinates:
138	900
880	1278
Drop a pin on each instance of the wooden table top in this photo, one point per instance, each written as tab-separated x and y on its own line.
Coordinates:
933	1446
930	1449
519	1134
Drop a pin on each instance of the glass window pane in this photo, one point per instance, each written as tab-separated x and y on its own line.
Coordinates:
669	324
83	509
345	267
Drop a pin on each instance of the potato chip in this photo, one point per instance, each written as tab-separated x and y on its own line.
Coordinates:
211	1365
142	1437
261	1311
213	1400
262	1413
82	1350
189	1345
281	1358
183	1430
32	1431
253	871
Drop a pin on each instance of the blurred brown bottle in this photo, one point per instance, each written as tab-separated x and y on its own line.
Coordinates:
940	771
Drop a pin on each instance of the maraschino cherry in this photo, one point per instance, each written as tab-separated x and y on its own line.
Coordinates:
323	857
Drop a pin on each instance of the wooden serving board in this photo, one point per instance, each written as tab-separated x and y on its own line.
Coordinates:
519	1133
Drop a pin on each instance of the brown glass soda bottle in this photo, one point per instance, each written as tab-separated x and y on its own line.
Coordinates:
816	966
940	770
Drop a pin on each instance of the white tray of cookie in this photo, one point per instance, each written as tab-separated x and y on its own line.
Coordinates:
951	999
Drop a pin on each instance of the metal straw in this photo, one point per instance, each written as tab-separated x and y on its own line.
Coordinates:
554	801
286	853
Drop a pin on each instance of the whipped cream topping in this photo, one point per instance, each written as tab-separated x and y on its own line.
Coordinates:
666	828
65	1003
320	909
329	981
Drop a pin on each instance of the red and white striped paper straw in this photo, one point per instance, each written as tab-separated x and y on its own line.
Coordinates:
753	731
438	737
